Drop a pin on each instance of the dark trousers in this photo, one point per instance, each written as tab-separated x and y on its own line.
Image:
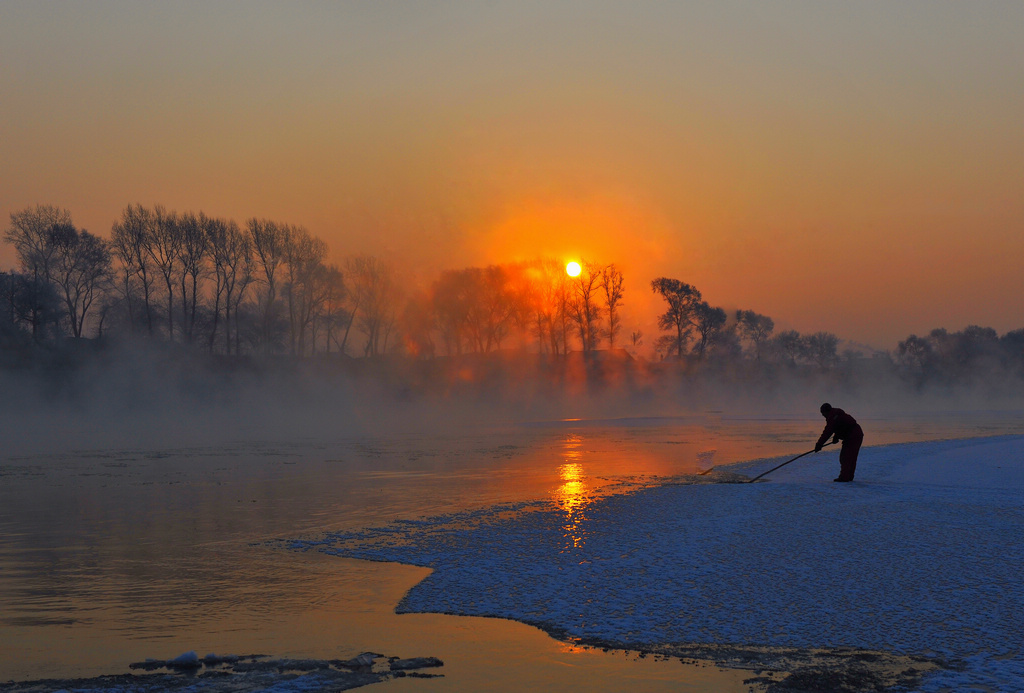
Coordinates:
848	454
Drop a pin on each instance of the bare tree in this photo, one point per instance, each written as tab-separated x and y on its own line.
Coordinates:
524	293
791	345
217	232
612	284
550	304
583	304
304	288
81	270
373	289
756	329
476	308
500	305
563	309
916	355
354	297
821	348
321	287
11	333
334	312
31	233
269	242
163	244
490	305
682	300
479	308
193	254
708	321
231	253
129	238
725	344
418	325
27	300
451	295
241	270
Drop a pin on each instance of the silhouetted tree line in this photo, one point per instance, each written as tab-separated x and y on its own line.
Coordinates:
966	357
697	330
529	305
266	287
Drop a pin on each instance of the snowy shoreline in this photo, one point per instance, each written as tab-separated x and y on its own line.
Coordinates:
920	557
621	552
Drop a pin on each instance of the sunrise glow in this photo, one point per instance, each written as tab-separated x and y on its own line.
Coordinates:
545	298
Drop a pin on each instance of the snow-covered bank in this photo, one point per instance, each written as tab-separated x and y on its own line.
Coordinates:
921	555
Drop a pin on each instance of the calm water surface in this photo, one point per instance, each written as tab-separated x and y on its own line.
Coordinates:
111	556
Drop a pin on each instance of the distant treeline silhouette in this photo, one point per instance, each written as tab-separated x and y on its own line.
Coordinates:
266	287
961	357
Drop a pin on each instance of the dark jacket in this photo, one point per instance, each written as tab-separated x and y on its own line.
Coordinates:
841	425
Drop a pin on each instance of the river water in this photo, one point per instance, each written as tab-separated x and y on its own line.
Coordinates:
109	556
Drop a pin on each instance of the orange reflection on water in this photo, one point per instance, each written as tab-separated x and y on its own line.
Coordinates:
574	494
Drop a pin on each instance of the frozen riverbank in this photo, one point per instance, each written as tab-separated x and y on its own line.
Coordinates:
112	555
921	556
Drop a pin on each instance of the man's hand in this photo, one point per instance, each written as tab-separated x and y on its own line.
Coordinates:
817	447
835	440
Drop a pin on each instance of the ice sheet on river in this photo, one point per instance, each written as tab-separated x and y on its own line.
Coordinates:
921	555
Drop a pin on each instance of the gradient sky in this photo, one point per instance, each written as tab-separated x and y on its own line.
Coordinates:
856	167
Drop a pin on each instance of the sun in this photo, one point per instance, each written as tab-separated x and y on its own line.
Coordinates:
573	269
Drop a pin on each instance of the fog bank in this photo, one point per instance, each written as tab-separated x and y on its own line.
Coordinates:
146	394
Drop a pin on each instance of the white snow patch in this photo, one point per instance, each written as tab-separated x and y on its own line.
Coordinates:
921	555
188	659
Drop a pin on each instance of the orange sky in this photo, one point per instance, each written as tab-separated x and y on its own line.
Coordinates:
851	167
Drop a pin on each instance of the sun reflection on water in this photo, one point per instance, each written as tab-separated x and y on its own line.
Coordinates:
574	495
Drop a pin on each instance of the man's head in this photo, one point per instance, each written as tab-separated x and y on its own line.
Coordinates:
825	409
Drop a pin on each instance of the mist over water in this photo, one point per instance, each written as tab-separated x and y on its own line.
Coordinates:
146	394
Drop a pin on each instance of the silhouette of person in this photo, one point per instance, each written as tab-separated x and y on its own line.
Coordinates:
842	426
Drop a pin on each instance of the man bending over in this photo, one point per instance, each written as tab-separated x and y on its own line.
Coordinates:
842	426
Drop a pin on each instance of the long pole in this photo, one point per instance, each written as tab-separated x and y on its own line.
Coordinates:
785	463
